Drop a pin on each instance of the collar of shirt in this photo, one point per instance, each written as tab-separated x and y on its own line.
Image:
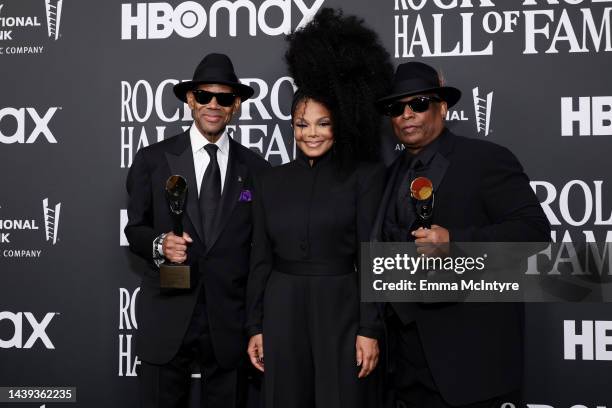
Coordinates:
424	157
198	141
201	159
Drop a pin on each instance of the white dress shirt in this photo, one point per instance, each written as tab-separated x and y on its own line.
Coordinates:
201	159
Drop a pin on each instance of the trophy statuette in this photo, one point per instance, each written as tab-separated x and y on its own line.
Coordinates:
421	190
176	275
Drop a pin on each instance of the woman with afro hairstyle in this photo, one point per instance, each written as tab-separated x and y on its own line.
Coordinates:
303	307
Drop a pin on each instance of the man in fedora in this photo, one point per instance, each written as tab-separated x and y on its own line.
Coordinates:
453	354
205	324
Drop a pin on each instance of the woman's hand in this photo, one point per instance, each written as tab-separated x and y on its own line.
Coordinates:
256	351
367	355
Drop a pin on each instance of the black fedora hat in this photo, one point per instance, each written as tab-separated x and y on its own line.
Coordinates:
414	78
214	69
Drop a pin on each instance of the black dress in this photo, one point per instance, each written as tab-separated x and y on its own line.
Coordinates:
303	290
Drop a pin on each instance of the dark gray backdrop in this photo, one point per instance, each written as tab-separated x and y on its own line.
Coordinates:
80	284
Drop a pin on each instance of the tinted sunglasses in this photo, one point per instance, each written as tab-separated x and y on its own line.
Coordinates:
223	98
418	105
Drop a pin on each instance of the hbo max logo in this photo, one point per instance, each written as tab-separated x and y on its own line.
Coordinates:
18	326
26	125
189	19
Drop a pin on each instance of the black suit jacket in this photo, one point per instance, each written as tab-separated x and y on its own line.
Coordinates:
474	350
222	267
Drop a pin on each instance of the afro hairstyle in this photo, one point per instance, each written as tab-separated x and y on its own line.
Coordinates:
338	61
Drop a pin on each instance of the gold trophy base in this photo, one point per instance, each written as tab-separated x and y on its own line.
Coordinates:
174	276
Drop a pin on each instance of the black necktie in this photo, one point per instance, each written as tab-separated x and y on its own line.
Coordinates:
210	192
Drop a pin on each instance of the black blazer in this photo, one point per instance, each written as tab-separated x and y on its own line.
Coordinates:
222	268
474	350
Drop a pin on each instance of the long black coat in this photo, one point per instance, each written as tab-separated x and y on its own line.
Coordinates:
222	268
473	350
303	291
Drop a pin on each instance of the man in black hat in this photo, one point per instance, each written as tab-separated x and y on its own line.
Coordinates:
453	354
205	324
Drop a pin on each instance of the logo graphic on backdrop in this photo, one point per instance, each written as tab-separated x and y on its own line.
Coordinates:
14	22
54	14
579	213
123	220
482	111
148	108
586	116
128	361
16	30
587	340
31	126
578	210
189	19
456	115
51	217
20	236
573	28
26	326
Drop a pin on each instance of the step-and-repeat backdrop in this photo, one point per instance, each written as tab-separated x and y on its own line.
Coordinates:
85	84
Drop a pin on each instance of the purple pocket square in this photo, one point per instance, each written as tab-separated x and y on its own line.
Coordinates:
245	196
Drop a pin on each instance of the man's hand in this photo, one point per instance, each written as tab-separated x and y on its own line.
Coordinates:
256	351
432	242
175	248
435	235
367	355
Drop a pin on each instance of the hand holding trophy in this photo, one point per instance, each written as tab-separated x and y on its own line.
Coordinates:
173	275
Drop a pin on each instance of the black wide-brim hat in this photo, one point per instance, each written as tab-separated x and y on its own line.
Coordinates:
415	78
214	69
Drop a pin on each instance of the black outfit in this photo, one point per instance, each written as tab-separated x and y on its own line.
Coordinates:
303	291
206	323
460	354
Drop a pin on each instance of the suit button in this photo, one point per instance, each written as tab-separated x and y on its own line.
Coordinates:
303	246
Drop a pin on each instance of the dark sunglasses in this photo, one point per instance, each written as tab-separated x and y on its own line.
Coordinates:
419	104
223	98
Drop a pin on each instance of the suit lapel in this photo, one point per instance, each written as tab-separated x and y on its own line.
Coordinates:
181	163
440	162
382	209
234	179
436	170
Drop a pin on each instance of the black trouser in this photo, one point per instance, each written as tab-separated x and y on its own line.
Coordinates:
413	383
168	385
